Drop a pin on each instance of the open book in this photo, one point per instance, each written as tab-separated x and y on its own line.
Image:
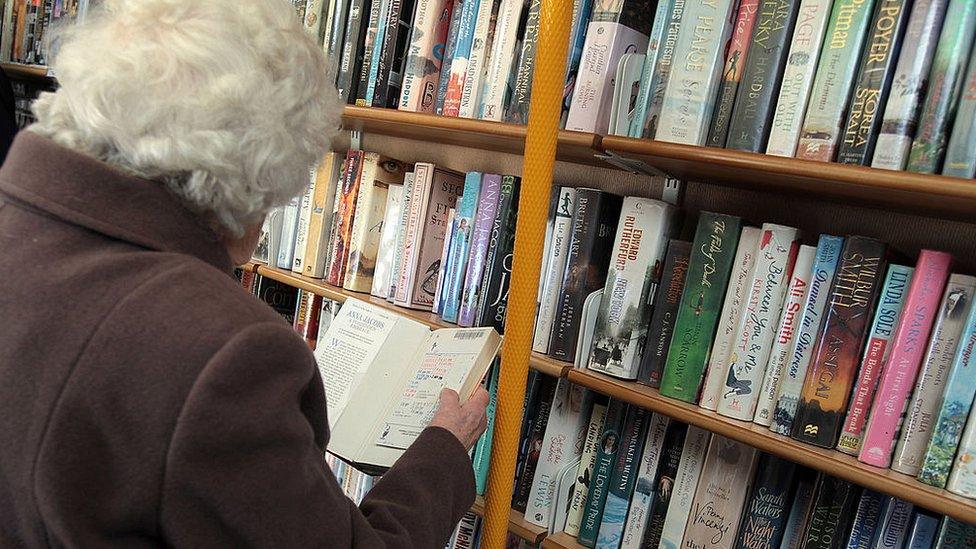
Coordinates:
383	375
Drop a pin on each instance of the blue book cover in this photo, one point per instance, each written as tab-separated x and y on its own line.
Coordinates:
459	61
954	534
482	452
457	259
623	478
867	519
647	83
449	46
924	528
374	62
895	521
582	9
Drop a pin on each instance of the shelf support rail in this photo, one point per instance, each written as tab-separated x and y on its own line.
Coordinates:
673	189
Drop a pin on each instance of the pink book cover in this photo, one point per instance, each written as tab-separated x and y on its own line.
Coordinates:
911	338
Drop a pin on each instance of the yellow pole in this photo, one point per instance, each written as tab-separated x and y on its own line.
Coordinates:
540	156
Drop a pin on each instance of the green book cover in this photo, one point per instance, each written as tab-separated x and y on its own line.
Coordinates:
596	497
708	275
482	452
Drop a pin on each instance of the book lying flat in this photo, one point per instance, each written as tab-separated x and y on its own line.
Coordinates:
383	376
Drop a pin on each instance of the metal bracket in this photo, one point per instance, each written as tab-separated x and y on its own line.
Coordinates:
673	191
356	140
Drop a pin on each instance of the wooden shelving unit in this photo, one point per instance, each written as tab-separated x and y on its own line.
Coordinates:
561	540
18	70
516	523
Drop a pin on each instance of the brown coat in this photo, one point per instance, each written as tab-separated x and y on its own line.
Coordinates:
146	399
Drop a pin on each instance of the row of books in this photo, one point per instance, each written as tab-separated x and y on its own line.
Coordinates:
26	22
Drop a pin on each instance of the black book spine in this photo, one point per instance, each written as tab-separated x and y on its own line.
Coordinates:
336	36
535	435
395	37
351	63
395	84
529	405
764	518
666	304
594	228
493	302
752	116
280	297
372	28
874	78
832	515
518	109
664	479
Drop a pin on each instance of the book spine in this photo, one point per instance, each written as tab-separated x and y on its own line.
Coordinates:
823	399
370	210
708	275
327	178
352	51
953	533
960	158
666	303
345	217
735	59
764	517
464	534
289	230
602	469
685	484
785	337
394	88
371	52
662	487
531	403
689	96
621	483
799	511
908	85
475	74
654	43
459	64
867	519
876	353
425	55
736	296
586	266
788	395
387	250
582	10
494	94
535	435
924	528
662	70
333	35
942	96
419	199
591	447
452	226
480	240
899	373
832	513
301	231
562	234
621	325
446	187
644	487
833	84
398	16
873	81
482	453
763	74
955	405
920	418
746	367
401	235
458	259
801	64
518	109
895	524
493	299
719	500
450	44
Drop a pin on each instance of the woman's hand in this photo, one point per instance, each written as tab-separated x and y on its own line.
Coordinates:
465	421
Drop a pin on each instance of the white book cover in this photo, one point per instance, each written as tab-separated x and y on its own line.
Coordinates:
565	483
591	441
445	253
562	443
746	367
500	60
419	200
689	96
801	63
301	232
735	298
640	503
289	226
387	251
685	486
786	331
401	233
419	76
562	232
474	80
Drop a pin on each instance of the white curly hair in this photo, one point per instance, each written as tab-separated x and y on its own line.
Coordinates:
227	103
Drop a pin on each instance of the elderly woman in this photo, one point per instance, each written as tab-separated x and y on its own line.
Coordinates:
145	398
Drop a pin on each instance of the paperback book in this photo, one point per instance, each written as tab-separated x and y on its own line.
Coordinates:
666	301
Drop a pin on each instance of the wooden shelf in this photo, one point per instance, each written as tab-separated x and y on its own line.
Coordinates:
18	70
561	540
516	523
831	462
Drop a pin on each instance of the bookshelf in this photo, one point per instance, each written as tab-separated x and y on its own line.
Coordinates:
19	70
561	540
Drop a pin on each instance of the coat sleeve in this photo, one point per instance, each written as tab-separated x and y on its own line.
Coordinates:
244	467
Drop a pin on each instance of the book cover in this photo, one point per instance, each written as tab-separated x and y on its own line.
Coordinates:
655	43
711	262
622	479
736	295
924	528
954	406
493	298
663	484
753	342
823	399
954	533
962	479
754	108
690	92
333	36
645	485
867	519
482	451
450	44
768	505
459	63
379	173
389	76
801	64
464	534
457	263
371	51
387	248
834	81
535	435
635	270
452	227
908	85
558	250
589	253
785	338
301	229
289	230
602	469
591	447
721	495
879	345
425	55
518	108
662	69
488	199
735	60
530	404
327	178
873	81
684	486
666	301
960	158
351	62
945	85
503	57
474	79
280	297
565	483
344	218
895	522
901	369
831	514
401	234
582	9
796	523
788	396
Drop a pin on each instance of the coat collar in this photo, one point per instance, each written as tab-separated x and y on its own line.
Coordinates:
84	191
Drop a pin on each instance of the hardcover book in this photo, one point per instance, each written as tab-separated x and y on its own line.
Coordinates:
823	399
518	108
732	309
351	62
457	263
960	158
832	513
439	292
962	479
867	519
393	50
645	486
501	60
533	437
920	418
665	476
602	469
459	61
876	352
363	358
450	44
666	301
894	525
655	45
908	85
582	9
711	261
924	528
384	258
635	270
484	219
954	533
344	218
425	55
401	234
735	60
493	298
684	486
289	230
371	52
301	229
474	78
591	447
662	70
764	517
327	177
788	395
796	523
558	250
832	87
482	450
621	482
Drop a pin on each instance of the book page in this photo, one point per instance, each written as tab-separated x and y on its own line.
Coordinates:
448	358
